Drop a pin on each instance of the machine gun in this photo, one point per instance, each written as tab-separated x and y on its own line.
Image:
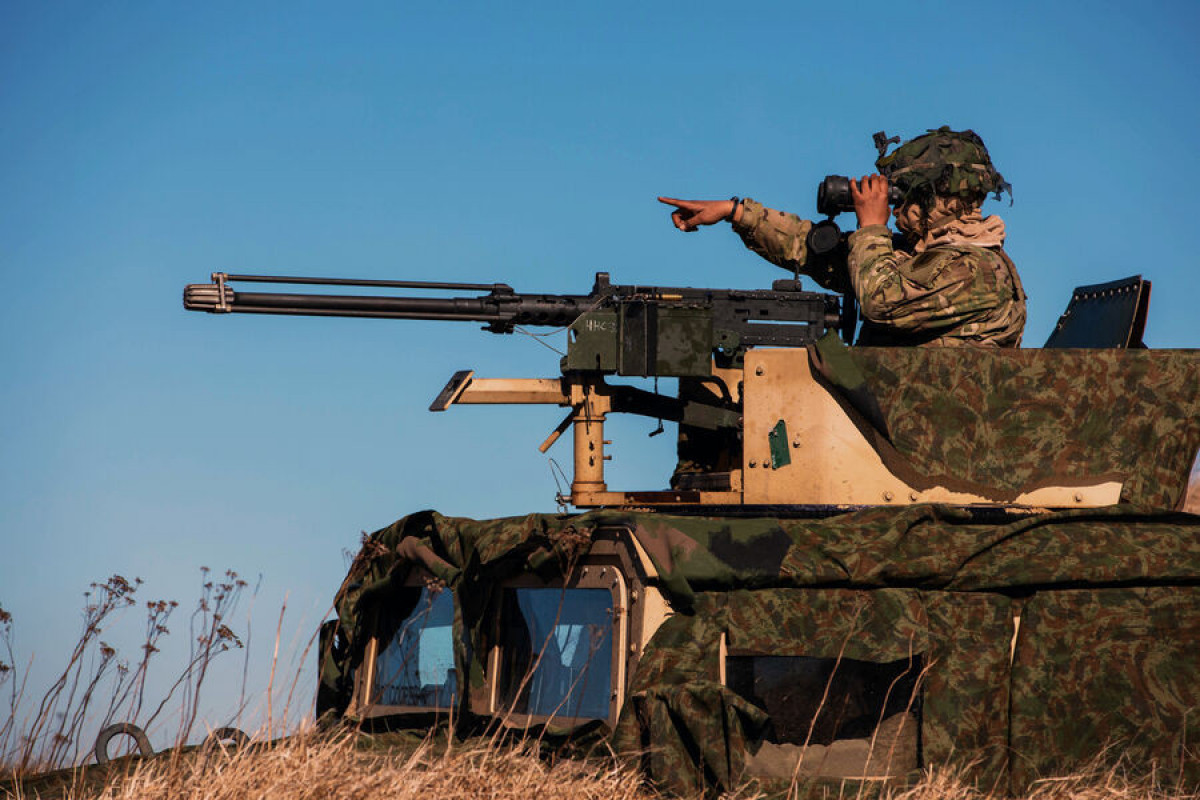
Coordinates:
625	330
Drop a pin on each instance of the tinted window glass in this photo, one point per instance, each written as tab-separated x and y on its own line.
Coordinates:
416	668
556	652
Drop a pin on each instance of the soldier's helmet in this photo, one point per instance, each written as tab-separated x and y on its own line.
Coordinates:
942	162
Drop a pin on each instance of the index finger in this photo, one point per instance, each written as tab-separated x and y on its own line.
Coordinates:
690	205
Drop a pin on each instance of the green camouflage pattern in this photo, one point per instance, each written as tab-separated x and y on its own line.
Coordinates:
688	732
966	689
949	295
1106	651
957	417
1129	658
928	546
942	162
963	637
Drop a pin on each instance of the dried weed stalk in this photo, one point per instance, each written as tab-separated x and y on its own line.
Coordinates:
96	687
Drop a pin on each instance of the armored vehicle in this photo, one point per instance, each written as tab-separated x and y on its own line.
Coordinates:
867	560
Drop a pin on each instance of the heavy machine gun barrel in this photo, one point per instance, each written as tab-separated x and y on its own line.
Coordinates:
501	308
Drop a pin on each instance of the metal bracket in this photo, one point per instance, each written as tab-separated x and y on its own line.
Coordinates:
222	305
882	140
452	390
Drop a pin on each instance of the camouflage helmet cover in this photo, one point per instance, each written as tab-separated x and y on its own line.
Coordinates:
942	162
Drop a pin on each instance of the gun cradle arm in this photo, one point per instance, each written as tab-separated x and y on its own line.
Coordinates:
512	391
466	389
590	400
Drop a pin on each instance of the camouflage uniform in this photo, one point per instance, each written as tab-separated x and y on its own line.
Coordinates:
950	294
956	286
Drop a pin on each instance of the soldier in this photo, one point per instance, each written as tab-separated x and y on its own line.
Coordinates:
944	281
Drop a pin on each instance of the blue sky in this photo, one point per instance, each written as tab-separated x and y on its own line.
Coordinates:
148	145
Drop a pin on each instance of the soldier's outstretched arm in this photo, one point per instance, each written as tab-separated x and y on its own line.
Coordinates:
689	215
777	236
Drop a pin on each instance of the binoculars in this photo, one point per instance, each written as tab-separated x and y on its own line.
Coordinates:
833	195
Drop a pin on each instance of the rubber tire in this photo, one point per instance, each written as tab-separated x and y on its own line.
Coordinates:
127	728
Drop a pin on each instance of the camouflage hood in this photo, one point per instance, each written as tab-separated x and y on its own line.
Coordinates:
971	228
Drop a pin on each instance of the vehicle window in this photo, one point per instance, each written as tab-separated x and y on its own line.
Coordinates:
416	667
819	700
556	652
837	717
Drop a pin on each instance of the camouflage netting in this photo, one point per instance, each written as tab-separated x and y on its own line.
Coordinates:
955	417
943	162
1107	652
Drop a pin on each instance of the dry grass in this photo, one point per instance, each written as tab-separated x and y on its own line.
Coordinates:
1095	783
342	765
331	767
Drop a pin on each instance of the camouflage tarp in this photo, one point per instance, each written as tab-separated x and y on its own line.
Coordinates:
1107	650
955	417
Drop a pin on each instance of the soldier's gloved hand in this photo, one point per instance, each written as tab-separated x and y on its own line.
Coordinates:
870	195
689	215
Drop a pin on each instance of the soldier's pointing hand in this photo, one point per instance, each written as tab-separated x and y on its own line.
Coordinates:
689	215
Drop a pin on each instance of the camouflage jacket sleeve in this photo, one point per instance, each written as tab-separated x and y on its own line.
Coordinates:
965	294
782	239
